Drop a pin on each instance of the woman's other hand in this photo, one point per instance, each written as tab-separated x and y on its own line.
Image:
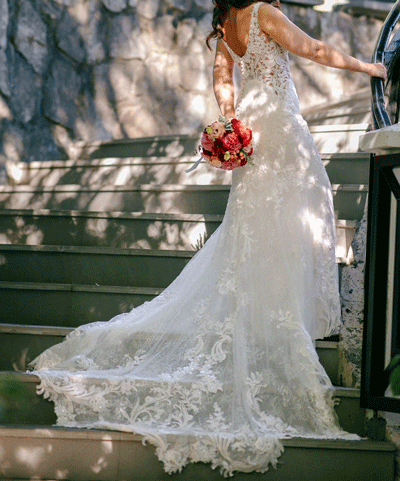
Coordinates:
378	70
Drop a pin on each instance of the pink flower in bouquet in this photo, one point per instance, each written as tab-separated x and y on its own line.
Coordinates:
231	142
217	129
215	162
248	150
207	142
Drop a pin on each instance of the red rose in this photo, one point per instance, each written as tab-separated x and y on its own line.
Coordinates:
231	142
244	134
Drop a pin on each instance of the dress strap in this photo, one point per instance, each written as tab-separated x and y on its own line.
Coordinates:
234	55
254	25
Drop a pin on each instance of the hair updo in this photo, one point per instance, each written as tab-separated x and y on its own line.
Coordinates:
221	11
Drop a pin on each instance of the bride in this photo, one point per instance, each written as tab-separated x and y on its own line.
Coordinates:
221	366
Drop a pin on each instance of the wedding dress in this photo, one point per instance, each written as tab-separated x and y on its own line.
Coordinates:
221	366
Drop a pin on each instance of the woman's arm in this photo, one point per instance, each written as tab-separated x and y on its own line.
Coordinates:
277	26
223	80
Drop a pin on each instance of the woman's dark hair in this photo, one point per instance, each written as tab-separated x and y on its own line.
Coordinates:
221	11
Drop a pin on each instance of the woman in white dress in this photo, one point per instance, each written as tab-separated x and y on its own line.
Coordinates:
221	366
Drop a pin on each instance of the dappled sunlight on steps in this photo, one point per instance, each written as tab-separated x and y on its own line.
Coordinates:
127	212
57	453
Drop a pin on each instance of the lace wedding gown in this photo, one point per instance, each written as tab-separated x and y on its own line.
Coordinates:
221	366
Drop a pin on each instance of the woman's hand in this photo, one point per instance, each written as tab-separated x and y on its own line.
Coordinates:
378	70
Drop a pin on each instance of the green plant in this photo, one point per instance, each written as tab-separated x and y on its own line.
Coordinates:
393	371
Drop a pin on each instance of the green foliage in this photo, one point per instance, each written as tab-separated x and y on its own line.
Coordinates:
394	377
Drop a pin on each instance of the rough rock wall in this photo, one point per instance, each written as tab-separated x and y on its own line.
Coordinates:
352	295
103	69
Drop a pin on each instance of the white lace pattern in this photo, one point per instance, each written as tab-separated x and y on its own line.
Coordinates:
221	366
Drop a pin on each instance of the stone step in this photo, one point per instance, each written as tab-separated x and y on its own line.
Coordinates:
351	110
22	343
349	199
125	230
351	415
56	453
102	266
162	145
342	168
67	304
108	229
329	138
99	266
338	138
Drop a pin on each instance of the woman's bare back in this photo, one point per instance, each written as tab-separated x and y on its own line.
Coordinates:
236	29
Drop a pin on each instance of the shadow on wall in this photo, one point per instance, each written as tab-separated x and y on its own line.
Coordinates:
99	70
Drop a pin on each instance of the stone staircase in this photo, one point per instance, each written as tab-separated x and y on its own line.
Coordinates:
85	239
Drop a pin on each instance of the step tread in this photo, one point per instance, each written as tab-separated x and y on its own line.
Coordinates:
64	331
344	223
115	188
170	138
42	286
94	434
28	377
146	188
115	214
153	160
105	251
35	330
96	250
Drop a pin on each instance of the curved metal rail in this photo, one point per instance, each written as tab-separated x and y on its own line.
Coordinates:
382	54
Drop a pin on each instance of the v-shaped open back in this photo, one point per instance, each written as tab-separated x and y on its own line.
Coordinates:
253	19
266	61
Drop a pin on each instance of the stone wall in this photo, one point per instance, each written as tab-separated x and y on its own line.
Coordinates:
352	295
104	69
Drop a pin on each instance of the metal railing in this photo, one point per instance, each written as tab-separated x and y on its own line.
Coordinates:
385	112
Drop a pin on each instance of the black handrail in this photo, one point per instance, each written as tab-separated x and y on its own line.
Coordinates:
379	112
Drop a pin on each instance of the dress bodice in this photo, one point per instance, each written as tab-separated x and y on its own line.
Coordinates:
264	60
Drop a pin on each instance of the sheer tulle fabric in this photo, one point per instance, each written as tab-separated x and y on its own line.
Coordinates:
221	366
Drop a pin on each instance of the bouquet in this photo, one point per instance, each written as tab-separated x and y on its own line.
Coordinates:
227	144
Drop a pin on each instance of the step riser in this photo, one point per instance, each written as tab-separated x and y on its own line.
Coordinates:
65	308
100	266
166	173
18	350
90	269
111	456
341	141
340	171
150	201
348	171
173	146
133	233
349	205
170	234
